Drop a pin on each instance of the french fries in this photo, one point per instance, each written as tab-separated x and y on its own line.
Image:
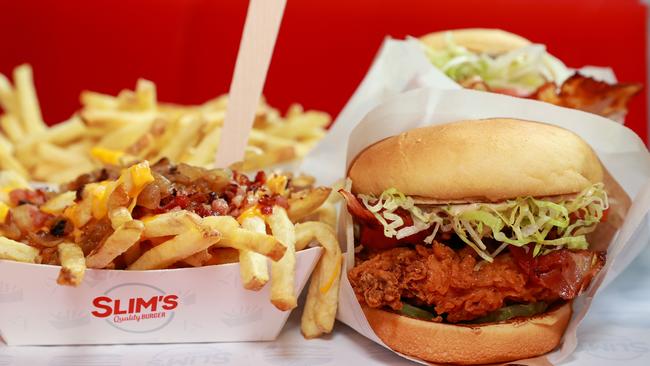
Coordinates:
198	259
28	106
119	242
193	240
170	223
320	308
306	202
196	235
119	217
185	132
11	127
253	269
238	238
136	124
10	180
222	256
283	294
132	254
16	251
58	204
8	162
73	264
7	99
326	214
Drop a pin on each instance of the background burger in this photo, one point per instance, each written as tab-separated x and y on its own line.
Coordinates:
503	62
472	237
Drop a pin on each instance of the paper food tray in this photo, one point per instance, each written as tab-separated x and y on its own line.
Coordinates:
205	304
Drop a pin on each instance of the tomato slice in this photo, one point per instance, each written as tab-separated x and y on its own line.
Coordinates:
580	215
605	215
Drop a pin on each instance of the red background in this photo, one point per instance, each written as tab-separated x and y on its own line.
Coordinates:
324	48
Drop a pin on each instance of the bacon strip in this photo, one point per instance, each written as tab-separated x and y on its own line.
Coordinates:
565	272
577	92
358	210
590	95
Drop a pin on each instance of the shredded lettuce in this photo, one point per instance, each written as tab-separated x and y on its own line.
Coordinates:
516	222
524	69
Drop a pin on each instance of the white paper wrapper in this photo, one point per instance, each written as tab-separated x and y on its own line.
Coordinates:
206	304
400	67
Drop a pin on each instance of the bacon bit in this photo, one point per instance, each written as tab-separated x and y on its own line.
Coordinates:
39	218
235	194
29	218
179	201
260	177
260	180
19	197
266	203
220	206
565	272
241	179
203	210
590	95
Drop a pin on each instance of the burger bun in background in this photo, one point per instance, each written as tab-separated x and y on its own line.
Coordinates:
479	40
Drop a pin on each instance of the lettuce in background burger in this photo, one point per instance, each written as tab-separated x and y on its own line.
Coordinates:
472	237
503	62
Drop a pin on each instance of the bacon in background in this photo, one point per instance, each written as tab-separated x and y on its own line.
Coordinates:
577	92
590	95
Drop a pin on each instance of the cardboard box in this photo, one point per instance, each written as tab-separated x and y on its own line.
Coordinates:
206	304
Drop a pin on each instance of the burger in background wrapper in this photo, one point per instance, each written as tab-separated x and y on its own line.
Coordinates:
472	284
506	63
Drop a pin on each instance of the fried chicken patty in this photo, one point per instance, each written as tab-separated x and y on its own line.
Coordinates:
456	285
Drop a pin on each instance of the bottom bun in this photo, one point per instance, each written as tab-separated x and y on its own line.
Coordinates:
471	344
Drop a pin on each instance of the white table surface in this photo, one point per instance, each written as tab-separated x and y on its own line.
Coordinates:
615	332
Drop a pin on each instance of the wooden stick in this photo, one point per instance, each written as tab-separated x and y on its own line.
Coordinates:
255	50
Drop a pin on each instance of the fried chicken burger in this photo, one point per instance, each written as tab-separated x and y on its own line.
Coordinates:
472	237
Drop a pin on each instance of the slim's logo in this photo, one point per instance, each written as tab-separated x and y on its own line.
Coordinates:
107	306
136	307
